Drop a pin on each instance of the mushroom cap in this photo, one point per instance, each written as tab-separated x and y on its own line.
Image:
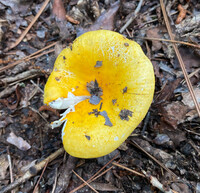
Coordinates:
125	77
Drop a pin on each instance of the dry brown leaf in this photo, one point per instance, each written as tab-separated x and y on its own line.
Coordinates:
167	91
180	187
19	142
154	32
157	70
12	106
174	113
191	60
17	6
176	135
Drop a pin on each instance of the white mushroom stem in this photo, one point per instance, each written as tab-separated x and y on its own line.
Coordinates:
68	104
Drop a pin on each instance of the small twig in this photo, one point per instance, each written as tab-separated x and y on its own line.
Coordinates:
154	181
37	86
29	27
159	163
35	189
194	146
130	35
31	172
34	92
191	75
132	18
36	111
10	168
172	41
133	171
23	76
84	181
180	58
72	20
27	58
195	133
95	175
48	108
148	50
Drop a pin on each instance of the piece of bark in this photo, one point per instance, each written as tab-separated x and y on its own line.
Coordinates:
65	174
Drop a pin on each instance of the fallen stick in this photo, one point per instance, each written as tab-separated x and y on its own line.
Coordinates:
32	171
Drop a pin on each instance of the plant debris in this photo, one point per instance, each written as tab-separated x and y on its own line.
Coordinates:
88	137
18	142
107	120
98	64
95	100
95	112
124	114
182	14
125	89
33	33
94	89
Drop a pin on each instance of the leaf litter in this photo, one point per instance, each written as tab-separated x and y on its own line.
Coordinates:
171	134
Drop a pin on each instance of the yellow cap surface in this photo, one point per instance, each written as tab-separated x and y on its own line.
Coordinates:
126	78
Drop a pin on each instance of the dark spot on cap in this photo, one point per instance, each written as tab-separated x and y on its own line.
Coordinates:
95	112
125	89
126	44
124	114
98	64
107	120
70	46
94	89
58	78
88	137
114	101
94	100
100	106
33	170
64	57
118	55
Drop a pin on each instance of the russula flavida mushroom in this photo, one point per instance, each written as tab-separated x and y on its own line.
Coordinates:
105	84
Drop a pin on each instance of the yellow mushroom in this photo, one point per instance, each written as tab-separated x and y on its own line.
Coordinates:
105	83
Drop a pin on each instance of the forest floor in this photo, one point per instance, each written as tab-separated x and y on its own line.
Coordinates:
163	152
